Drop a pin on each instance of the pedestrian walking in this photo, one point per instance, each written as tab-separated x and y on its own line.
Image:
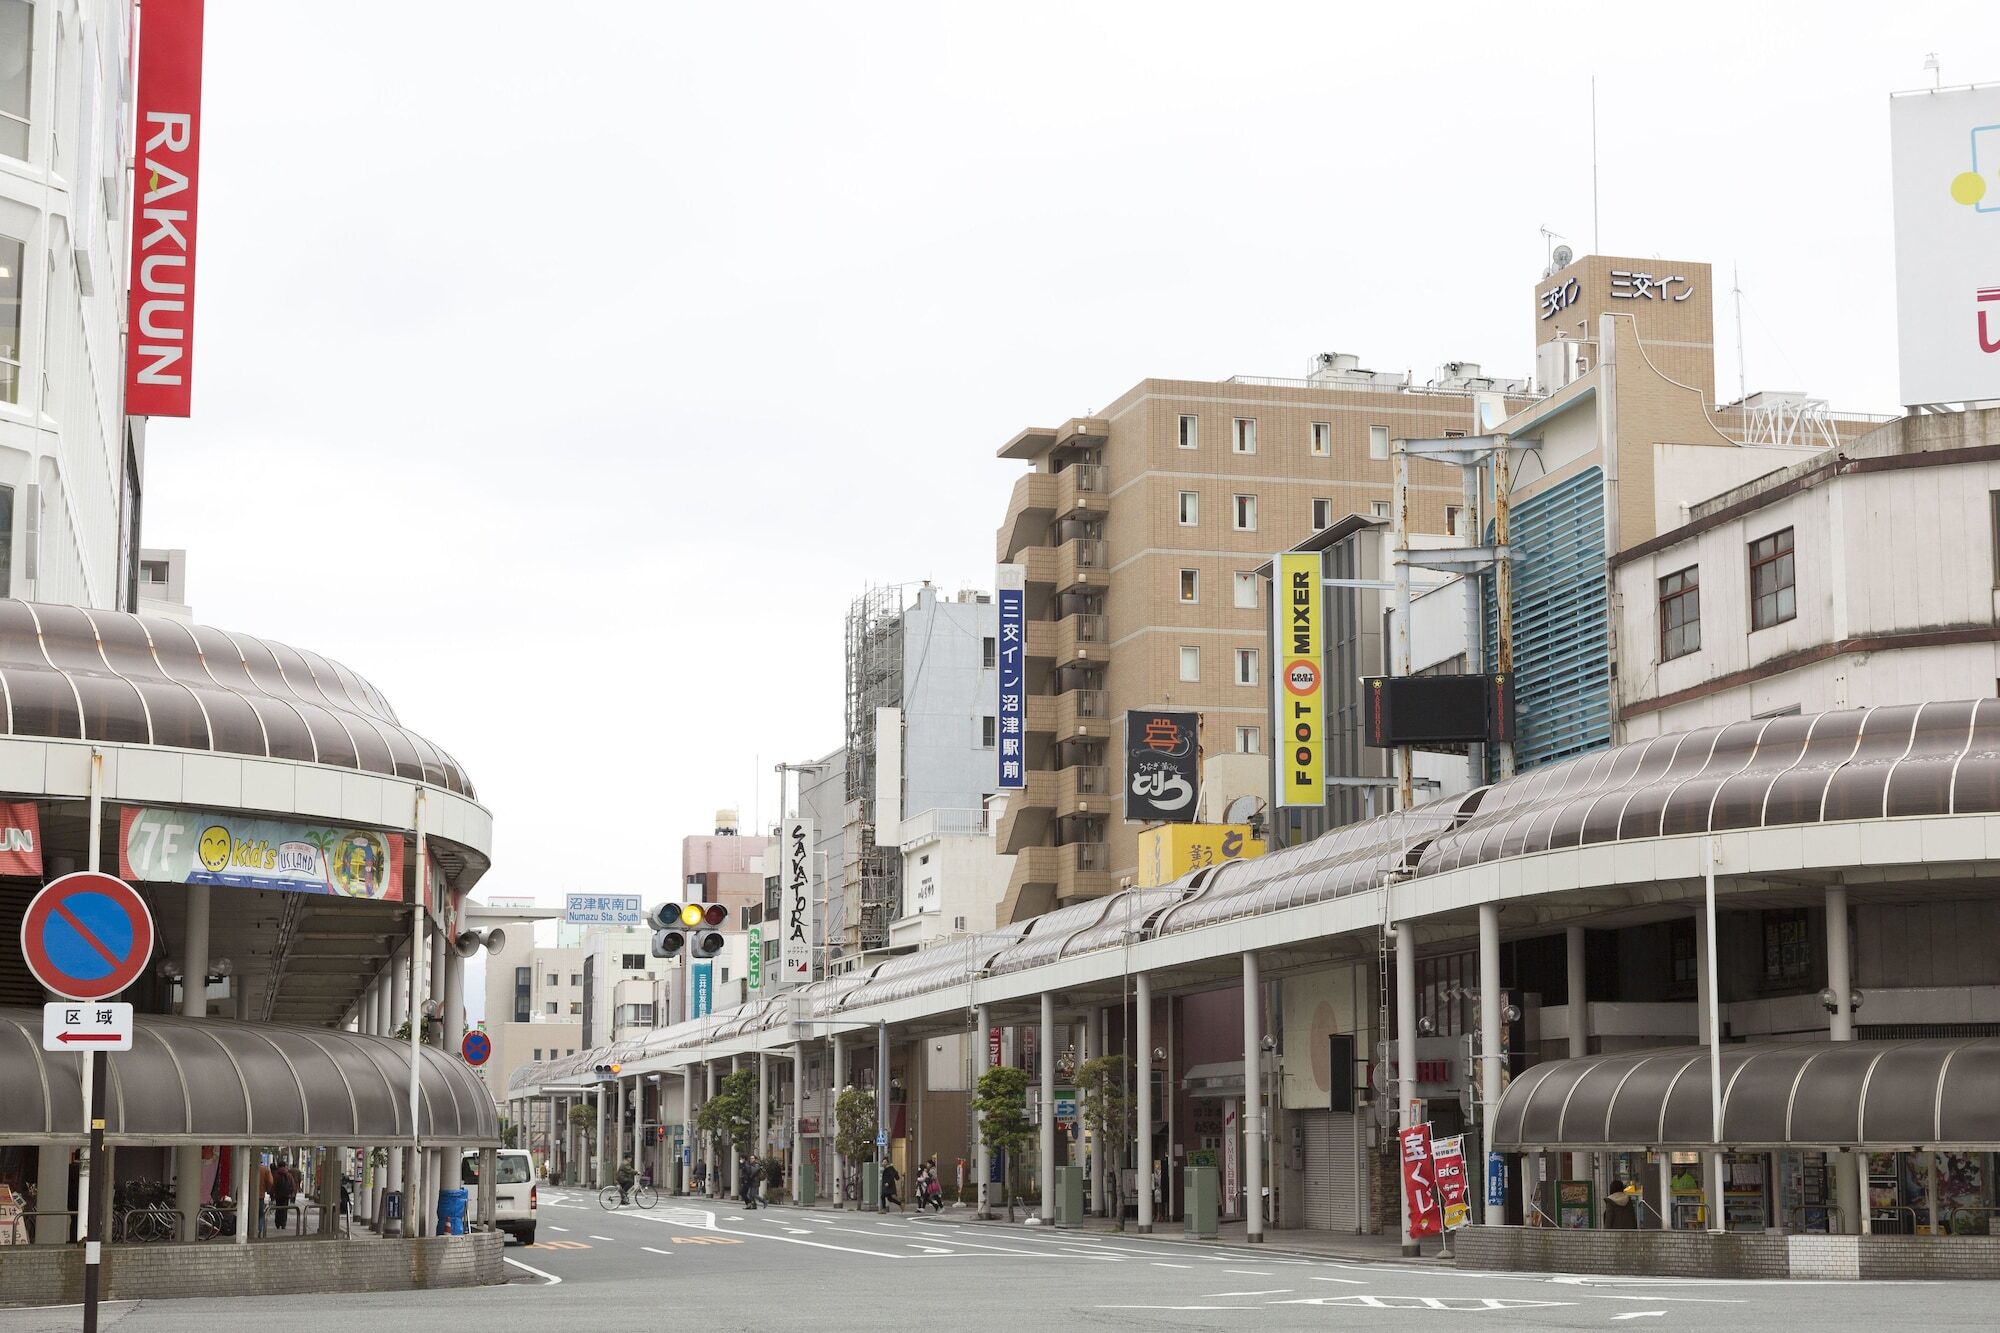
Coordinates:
282	1193
891	1178
746	1182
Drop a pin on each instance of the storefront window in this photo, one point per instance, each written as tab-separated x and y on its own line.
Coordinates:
11	287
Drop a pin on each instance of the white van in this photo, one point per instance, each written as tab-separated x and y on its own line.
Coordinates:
515	1193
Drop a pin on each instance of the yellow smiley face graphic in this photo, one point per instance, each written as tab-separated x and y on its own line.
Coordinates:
213	849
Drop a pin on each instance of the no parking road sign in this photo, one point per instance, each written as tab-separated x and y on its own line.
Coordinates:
87	936
477	1048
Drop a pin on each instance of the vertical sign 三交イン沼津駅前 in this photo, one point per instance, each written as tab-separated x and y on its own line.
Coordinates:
166	170
797	869
1419	1181
1299	710
1012	662
1162	766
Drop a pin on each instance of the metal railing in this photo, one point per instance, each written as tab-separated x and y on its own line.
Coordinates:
1836	1220
1090	627
1977	1220
1093	704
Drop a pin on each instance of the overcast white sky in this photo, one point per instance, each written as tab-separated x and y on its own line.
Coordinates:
567	369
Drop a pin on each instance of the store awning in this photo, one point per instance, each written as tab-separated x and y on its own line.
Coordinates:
210	1081
1883	1095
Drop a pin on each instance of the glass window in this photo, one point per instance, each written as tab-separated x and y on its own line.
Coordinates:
1787	948
1322	514
17	45
575	978
1454	520
1190	431
1773	597
1322	438
1246	513
1246	666
11	287
6	541
1190	508
1245	590
1190	585
1680	613
1378	442
634	962
1249	740
988	731
1190	663
554	979
1378	509
575	1007
552	1006
1244	437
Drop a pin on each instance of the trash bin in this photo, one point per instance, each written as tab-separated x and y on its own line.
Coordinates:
451	1212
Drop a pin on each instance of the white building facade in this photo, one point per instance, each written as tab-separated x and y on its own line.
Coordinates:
70	462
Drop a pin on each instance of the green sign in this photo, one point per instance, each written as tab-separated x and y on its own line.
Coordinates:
756	958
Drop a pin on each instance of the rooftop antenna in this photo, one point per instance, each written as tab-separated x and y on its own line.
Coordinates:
1937	70
1596	246
1742	380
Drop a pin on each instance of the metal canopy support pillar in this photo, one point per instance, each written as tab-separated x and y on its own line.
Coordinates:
1711	1018
194	1004
420	891
982	1162
1848	1191
1101	1205
617	1128
1142	1017
763	1110
1406	1057
687	1126
1579	990
245	1186
489	1188
1253	1103
1046	1168
881	1113
831	1121
1491	1001
799	1157
708	1161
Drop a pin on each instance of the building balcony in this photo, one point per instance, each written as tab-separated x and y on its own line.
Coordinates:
1029	509
1083	433
1081	562
1046	876
1079	715
1083	789
1039	565
1044	713
1080	491
1031	813
1083	637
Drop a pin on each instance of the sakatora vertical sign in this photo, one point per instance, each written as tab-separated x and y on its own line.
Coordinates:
1945	154
797	872
159	346
1012	660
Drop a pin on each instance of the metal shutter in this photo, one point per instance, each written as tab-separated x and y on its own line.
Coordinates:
1332	1170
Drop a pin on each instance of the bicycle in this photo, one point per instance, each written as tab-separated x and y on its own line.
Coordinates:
639	1196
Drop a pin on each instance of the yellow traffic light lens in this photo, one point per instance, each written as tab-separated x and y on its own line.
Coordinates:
691	914
616	1068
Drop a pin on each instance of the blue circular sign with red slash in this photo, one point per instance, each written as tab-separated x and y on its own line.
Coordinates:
87	936
477	1048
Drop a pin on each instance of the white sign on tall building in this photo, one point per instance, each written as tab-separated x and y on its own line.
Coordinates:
795	871
1945	150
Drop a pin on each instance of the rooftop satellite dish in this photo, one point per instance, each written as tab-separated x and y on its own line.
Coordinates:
1560	257
1242	810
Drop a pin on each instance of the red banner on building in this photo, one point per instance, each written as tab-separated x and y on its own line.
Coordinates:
159	343
1419	1182
20	838
1448	1166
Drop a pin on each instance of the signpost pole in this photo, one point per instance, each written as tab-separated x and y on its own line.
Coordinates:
93	1218
420	884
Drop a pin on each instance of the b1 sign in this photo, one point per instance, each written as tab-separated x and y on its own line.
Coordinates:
1945	151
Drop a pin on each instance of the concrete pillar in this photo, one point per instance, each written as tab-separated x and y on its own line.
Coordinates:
1406	1056
687	1123
1578	986
800	1163
52	1196
194	1004
489	1187
1701	976
763	1108
708	1155
1666	1191
1253	1103
244	1187
982	1156
603	1136
1047	1144
1491	1001
830	1125
617	1129
1099	1193
435	986
882	1102
453	1027
1142	1037
1848	1192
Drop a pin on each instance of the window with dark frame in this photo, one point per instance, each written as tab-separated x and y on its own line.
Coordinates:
1680	613
989	652
1773	594
1787	947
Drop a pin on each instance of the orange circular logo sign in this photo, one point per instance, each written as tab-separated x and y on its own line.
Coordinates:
1302	677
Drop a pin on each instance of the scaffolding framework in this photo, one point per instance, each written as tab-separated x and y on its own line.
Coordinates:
873	882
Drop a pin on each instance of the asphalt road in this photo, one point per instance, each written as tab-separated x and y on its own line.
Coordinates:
782	1269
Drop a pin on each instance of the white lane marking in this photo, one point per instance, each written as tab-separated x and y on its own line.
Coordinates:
1160	1265
602	1238
565	1230
1245	1272
549	1278
664	1254
1176	1307
709	1224
1350	1281
1219	1295
1641	1314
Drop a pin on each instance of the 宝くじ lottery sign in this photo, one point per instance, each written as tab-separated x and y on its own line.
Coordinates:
205	847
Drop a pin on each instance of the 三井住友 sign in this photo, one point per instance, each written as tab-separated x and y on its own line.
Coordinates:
602	909
159	846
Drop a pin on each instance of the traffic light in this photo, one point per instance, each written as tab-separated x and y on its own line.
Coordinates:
605	1073
693	927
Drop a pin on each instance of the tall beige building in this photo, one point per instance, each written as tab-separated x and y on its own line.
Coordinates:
1139	531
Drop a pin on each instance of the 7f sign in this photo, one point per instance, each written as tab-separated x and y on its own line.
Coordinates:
159	355
1300	708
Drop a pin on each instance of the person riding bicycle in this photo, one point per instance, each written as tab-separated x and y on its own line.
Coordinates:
626	1177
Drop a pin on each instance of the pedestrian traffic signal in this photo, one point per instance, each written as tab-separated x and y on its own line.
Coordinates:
693	927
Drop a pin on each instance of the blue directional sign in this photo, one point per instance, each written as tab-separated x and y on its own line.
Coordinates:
1496	1180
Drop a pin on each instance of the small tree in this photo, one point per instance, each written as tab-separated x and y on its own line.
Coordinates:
1002	1107
583	1119
1100	1091
730	1117
510	1134
853	1132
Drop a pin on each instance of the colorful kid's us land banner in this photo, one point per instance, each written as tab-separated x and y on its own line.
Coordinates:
203	847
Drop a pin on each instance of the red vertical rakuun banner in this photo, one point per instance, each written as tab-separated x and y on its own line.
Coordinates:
1418	1185
159	340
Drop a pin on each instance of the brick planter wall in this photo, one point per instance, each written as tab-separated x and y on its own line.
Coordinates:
53	1275
1734	1254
